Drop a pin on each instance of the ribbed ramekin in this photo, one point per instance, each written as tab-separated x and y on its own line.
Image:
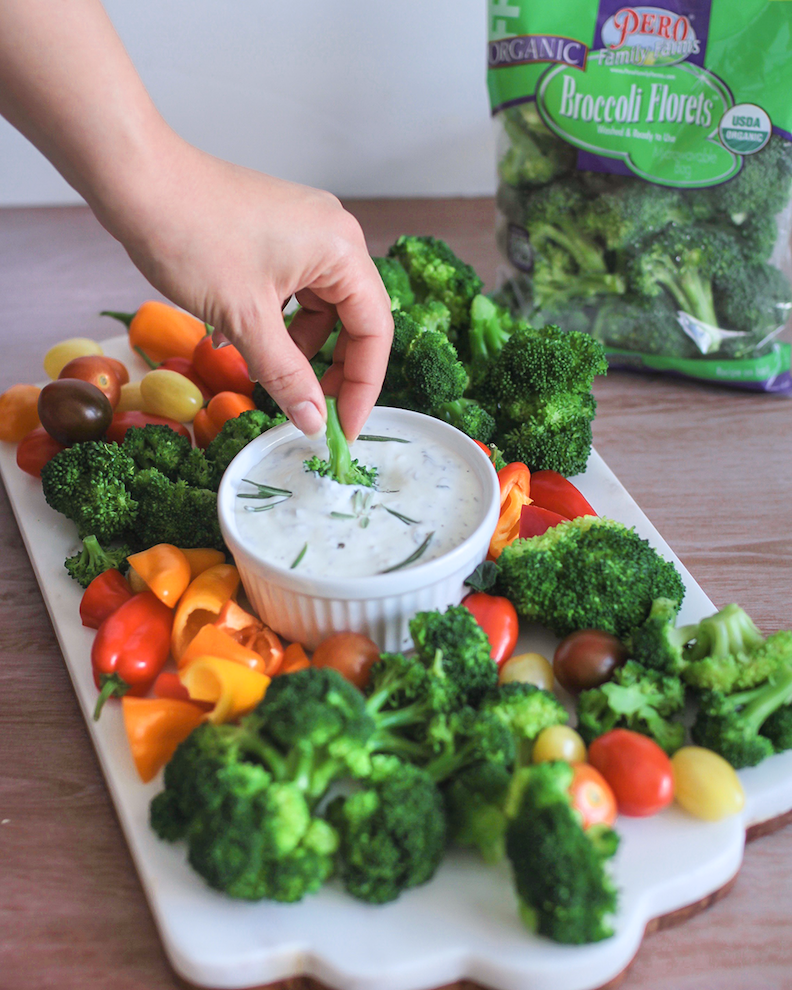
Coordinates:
307	609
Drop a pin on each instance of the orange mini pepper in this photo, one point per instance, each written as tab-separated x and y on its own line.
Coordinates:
515	492
201	559
210	420
214	642
201	603
250	631
164	569
155	727
233	688
294	658
161	330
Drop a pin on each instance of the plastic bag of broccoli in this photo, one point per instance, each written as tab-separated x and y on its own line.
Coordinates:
645	177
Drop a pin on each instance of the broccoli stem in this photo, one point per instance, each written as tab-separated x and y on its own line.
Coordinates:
760	703
587	256
337	445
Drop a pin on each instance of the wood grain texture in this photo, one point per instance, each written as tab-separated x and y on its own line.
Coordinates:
712	469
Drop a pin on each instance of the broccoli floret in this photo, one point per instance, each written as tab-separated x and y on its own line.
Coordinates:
646	326
424	370
93	560
743	667
464	649
198	472
393	831
173	512
237	433
722	644
755	299
588	573
534	155
264	401
156	446
657	643
778	728
525	710
475	801
554	433
552	219
491	325
544	361
433	315
684	261
340	466
625	216
437	273
639	699
396	281
760	187
559	869
469	417
730	724
89	484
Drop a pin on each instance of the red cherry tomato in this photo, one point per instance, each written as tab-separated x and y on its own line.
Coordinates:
638	771
586	659
351	654
592	796
122	421
35	450
97	370
498	618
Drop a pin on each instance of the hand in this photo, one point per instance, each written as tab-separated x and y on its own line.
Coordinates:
230	245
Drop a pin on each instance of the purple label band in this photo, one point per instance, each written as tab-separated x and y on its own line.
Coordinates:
528	48
658	19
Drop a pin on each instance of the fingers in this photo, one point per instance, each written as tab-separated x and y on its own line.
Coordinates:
274	360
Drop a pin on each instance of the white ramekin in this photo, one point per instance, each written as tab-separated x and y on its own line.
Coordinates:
307	609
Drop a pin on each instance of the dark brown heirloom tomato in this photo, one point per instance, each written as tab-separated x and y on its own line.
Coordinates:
72	410
98	371
586	659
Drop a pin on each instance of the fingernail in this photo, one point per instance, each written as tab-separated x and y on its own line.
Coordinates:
307	418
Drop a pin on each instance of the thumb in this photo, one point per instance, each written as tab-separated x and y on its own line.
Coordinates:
283	370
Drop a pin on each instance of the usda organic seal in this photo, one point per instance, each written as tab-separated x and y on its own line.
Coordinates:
745	129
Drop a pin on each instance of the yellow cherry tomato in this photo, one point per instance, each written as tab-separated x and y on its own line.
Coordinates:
57	357
167	393
558	742
705	784
131	399
529	668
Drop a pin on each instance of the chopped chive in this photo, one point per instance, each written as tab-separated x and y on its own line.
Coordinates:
299	557
413	556
342	515
267	488
404	519
374	439
259	495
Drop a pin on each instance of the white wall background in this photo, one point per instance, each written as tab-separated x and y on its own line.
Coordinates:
360	97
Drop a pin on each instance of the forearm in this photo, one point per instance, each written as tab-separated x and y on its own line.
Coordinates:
67	83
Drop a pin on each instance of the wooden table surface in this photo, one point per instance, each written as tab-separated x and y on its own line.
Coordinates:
712	469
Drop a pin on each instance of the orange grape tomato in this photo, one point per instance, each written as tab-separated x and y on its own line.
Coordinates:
18	412
97	370
351	654
592	796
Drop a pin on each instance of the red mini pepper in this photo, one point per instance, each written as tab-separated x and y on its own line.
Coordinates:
498	618
124	420
103	596
131	647
222	368
553	491
534	520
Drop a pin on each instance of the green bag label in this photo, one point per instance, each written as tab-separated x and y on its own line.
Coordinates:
661	121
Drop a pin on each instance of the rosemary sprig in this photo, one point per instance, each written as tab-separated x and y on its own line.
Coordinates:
375	439
413	556
404	519
342	515
299	557
266	488
264	508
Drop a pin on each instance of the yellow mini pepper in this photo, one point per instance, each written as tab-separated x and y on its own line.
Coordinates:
231	687
201	603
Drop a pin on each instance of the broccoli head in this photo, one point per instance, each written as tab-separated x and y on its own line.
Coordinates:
760	187
396	281
624	216
237	433
393	831
636	698
93	560
553	433
525	710
755	299
340	466
559	869
588	573
475	800
437	273
173	512
657	643
157	446
468	416
741	668
534	154
90	484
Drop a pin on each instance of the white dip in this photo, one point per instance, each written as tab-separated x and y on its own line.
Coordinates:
348	529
